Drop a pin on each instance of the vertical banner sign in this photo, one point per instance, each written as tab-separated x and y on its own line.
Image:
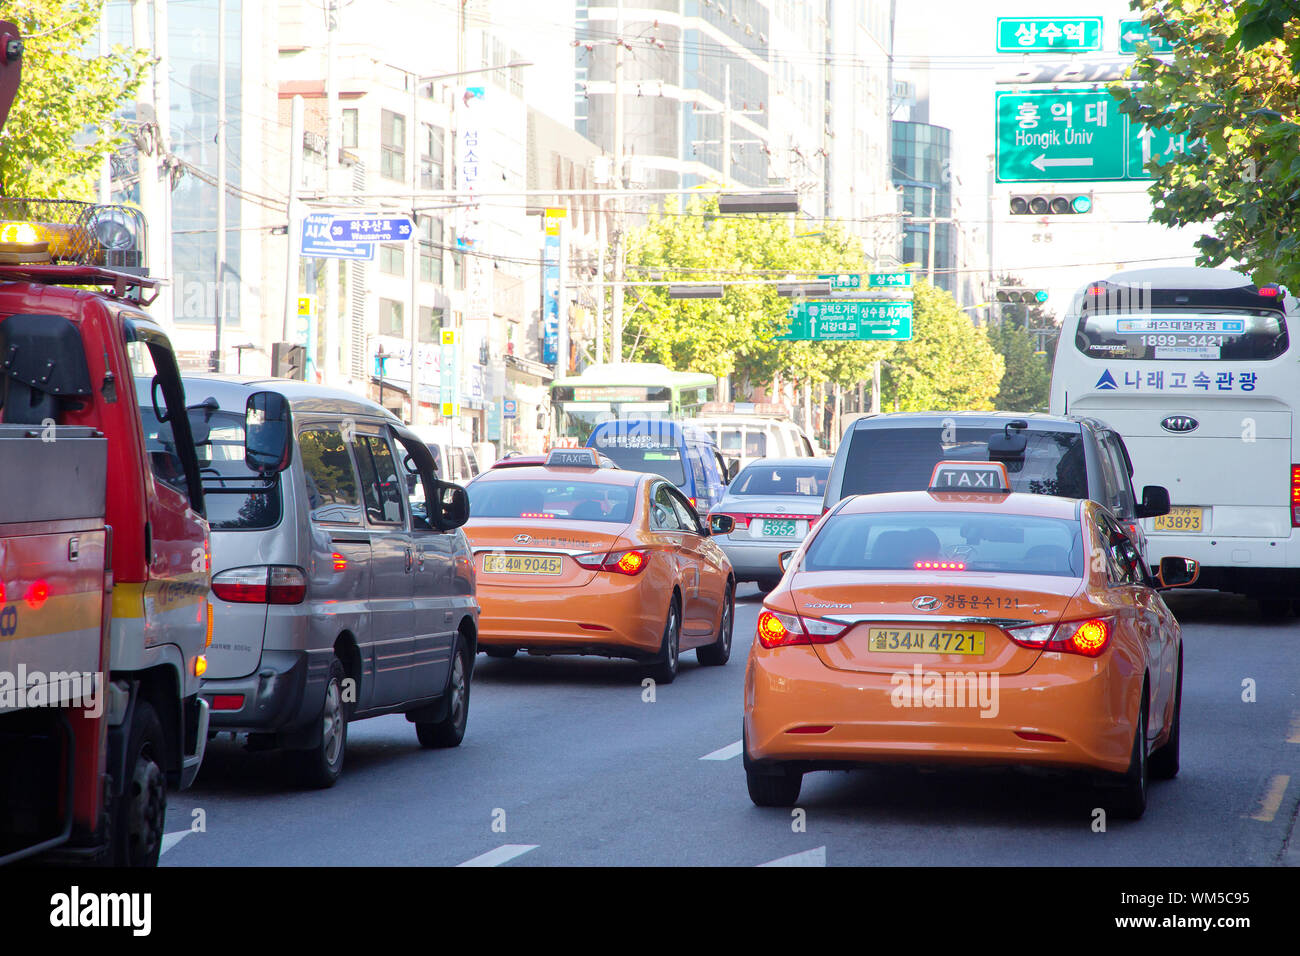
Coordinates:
448	378
471	164
551	286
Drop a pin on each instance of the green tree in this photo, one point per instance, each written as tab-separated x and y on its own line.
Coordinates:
1230	84
64	120
948	364
1026	383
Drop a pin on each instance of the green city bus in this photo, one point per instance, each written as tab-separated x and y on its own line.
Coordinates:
607	391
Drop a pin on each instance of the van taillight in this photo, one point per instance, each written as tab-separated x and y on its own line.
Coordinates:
1295	496
276	584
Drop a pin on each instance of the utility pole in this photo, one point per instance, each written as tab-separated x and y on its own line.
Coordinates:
148	141
106	169
333	144
295	219
415	243
221	177
620	248
726	124
599	318
163	305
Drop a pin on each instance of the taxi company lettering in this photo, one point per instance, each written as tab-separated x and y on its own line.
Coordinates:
1055	137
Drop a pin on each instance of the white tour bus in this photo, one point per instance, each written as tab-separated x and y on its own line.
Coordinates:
1196	369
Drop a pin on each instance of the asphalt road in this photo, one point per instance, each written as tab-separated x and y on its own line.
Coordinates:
564	763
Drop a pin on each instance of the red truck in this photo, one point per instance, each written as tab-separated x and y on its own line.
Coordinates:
104	558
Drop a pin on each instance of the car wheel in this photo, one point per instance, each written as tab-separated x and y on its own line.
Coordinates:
500	652
142	807
774	790
664	669
1131	801
1164	762
320	766
450	731
719	652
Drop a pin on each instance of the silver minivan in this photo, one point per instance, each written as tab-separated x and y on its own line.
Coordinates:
336	593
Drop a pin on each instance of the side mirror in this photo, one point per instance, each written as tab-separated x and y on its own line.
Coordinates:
721	524
1177	572
783	559
453	507
733	468
1155	502
268	433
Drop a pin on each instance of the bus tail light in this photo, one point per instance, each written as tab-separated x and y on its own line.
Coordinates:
1295	496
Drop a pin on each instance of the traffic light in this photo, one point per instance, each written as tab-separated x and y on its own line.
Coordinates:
1051	204
1014	293
288	360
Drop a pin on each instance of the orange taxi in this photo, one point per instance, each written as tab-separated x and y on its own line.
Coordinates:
578	557
966	624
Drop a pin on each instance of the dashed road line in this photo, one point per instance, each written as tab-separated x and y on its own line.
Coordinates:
502	854
1294	736
815	857
169	840
1272	801
726	753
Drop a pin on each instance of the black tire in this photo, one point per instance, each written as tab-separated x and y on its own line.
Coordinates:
1130	801
1164	762
664	668
773	790
141	808
719	652
501	652
450	731
321	766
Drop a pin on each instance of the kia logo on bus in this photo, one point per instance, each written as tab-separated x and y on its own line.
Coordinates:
1179	423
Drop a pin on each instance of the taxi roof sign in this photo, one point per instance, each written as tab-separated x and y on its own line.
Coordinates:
986	476
573	458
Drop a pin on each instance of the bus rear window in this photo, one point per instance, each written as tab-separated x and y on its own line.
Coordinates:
1203	336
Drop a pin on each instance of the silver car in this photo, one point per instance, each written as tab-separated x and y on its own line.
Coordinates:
336	594
774	501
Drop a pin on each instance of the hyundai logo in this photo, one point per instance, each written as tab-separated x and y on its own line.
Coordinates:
926	603
523	538
1179	423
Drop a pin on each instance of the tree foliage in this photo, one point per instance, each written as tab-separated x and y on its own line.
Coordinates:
1231	83
1026	384
63	122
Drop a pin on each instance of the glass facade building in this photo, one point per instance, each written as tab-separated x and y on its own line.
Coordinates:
922	167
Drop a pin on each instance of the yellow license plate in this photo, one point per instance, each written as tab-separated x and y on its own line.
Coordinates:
1181	519
926	640
522	564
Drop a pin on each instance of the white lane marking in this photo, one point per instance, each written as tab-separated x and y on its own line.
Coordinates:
502	854
169	840
1272	801
815	857
726	753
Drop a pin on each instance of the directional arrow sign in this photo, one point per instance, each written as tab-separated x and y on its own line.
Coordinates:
1133	32
849	320
1059	136
1049	34
1146	143
372	229
316	241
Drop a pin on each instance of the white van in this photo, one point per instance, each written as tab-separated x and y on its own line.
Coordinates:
750	437
1196	369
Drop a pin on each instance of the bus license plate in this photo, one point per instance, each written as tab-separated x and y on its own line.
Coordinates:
926	640
775	528
522	564
1181	519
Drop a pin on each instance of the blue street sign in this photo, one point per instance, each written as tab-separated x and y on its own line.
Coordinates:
316	242
372	229
510	408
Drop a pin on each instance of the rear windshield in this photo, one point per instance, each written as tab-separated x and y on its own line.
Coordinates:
237	498
1205	336
903	459
760	479
898	541
534	498
662	460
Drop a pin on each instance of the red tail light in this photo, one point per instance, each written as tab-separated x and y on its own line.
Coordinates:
36	594
1295	496
1089	638
2	592
940	566
1270	290
778	629
535	514
620	562
276	584
227	701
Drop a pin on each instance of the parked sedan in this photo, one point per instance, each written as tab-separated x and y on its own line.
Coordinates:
774	502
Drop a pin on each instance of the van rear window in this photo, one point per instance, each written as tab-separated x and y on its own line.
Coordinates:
237	499
541	498
662	460
1203	336
903	459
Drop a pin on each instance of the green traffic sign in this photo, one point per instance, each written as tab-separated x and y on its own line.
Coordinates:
1146	143
849	320
889	280
1059	136
842	280
1133	32
1049	34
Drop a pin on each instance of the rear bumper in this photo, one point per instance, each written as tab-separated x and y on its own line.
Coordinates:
1248	565
1081	701
284	694
754	559
610	618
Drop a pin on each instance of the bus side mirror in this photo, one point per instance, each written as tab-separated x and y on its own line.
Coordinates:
268	433
1177	572
1155	502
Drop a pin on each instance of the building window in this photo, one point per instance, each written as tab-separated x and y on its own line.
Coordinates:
392	260
431	322
392	145
390	318
350	140
430	249
432	156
